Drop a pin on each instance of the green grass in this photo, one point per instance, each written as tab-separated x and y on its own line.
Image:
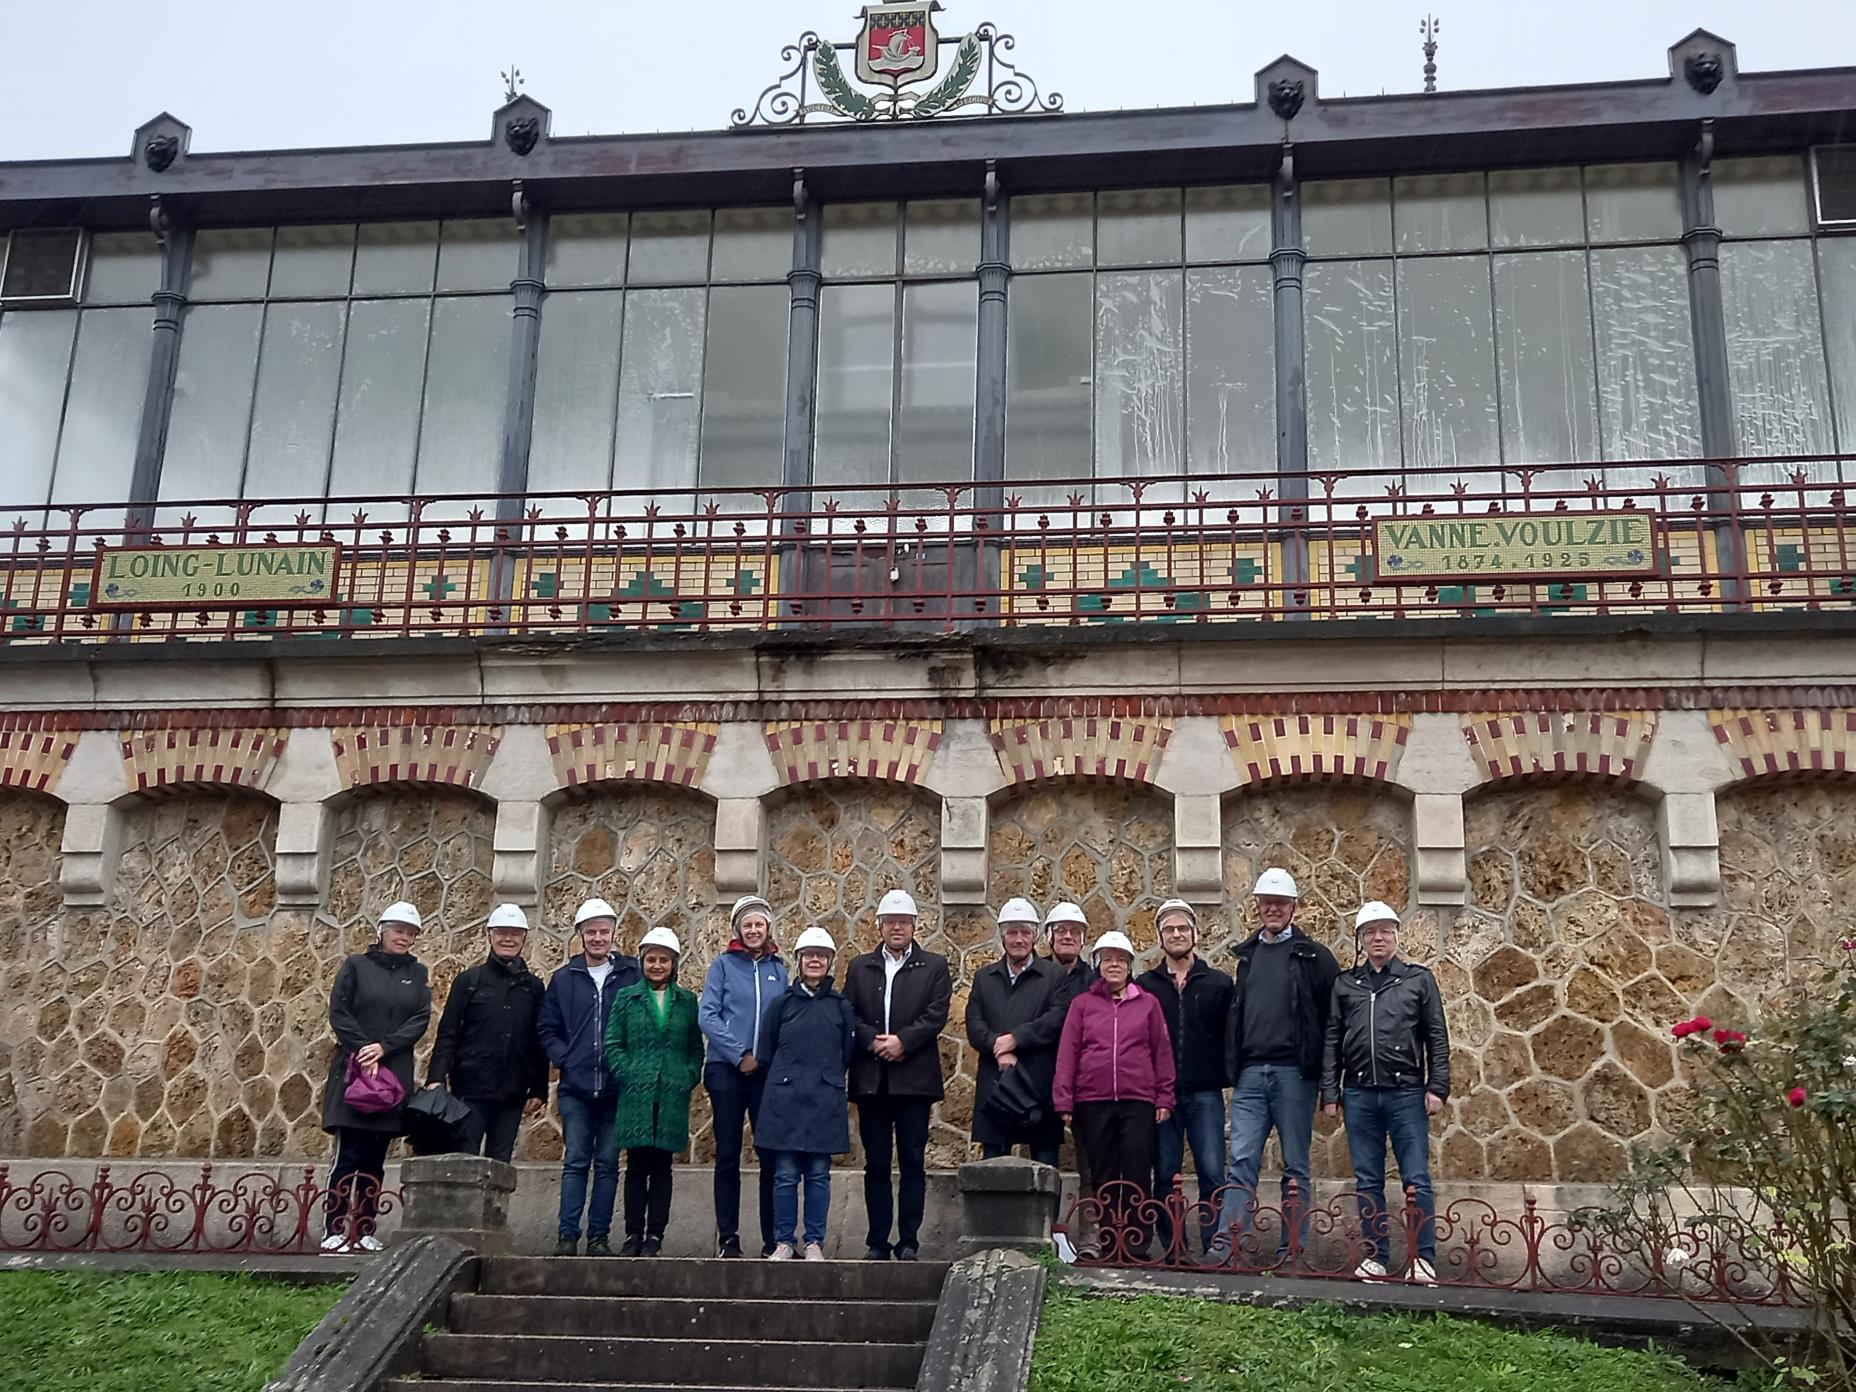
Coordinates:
1158	1342
150	1331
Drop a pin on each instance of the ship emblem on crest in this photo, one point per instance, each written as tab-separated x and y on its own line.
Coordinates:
898	44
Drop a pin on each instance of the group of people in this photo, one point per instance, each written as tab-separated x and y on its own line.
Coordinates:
1137	1067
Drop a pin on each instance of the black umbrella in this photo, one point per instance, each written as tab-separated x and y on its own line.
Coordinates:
433	1116
1015	1102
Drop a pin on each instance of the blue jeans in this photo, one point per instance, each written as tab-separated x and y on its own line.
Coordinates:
1269	1095
1198	1120
1373	1115
789	1167
589	1136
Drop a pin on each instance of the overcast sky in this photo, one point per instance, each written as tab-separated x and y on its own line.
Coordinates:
256	75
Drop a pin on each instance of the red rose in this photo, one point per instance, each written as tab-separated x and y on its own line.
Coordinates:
1795	1097
1702	1022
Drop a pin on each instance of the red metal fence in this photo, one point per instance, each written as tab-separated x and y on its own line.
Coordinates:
1679	536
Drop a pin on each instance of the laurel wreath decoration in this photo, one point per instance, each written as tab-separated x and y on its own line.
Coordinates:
833	84
959	77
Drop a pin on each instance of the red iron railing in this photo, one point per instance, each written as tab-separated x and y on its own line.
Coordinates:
1678	536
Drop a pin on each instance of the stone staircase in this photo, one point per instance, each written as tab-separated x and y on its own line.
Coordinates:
679	1325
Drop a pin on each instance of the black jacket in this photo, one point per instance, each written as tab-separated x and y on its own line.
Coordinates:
1082	975
919	1004
1395	1037
1031	1010
377	999
1196	1024
487	1048
1311	988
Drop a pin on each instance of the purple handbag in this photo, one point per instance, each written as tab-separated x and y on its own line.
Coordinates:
380	1093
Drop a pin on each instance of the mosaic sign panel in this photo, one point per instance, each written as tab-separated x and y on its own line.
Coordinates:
1425	548
209	576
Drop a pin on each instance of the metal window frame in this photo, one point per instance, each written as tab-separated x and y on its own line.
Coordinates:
80	266
1819	222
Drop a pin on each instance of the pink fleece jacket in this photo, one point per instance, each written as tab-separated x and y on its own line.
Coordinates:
1114	1050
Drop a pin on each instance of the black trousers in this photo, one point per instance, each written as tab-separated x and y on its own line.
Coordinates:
491	1129
1119	1139
354	1183
894	1129
733	1096
647	1191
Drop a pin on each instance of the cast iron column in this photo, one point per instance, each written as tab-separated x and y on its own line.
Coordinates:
995	273
170	301
801	381
509	531
1702	240
1287	258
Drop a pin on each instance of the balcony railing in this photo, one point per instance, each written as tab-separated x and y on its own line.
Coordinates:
1682	536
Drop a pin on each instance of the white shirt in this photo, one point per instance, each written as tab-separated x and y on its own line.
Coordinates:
891	965
600	973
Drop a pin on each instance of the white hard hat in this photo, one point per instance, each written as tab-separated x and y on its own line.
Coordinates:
661	937
1277	882
508	916
1176	906
1112	940
594	908
1374	912
402	912
897	901
1066	912
745	903
1017	911
814	937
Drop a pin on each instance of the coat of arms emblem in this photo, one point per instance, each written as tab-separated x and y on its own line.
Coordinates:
898	44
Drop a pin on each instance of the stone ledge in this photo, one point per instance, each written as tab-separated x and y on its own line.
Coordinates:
985	1324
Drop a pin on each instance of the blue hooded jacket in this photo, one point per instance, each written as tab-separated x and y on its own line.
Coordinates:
737	997
573	1023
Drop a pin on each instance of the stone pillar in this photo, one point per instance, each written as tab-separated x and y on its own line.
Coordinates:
985	1325
740	839
1437	849
462	1197
1198	845
92	844
1007	1202
304	781
519	851
965	831
1690	839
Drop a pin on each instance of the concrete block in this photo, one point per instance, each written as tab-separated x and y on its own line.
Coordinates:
647	675
463	1197
1437	757
985	1325
1008	1202
965	841
966	764
740	766
48	685
1198	845
305	771
95	772
1736	659
92	845
1441	868
740	846
519	854
1631	659
1685	757
305	832
1151	668
1197	760
1688	835
522	769
400	680
1364	662
198	681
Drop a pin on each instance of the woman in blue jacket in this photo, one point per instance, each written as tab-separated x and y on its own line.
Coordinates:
738	996
805	1115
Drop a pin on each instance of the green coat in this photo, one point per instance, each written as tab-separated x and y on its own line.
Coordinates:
657	1067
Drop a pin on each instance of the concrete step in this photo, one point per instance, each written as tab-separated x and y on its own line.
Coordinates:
712	1278
676	1362
650	1317
483	1385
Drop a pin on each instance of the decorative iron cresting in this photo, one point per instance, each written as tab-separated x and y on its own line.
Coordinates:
897	50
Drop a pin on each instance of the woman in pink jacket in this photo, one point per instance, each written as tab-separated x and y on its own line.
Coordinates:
1115	1084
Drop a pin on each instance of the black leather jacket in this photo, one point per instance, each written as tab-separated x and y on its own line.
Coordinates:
1393	1038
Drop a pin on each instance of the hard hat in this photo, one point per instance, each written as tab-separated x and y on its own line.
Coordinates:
508	916
1277	882
1017	911
661	937
1176	906
594	908
814	937
746	903
1066	912
402	912
1115	941
897	901
1374	912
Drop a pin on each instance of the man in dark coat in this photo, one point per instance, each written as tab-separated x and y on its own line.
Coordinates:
1195	997
1014	1018
487	1051
901	996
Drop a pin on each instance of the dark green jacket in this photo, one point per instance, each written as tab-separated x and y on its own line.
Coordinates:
656	1067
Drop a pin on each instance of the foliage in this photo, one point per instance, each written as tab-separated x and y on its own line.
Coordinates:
1114	1345
837	88
959	77
1763	1161
150	1331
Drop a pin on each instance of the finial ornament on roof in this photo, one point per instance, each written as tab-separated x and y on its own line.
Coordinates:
1428	27
898	50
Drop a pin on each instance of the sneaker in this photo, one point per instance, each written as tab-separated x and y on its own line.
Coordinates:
633	1247
1372	1269
567	1246
906	1254
370	1243
597	1247
728	1247
814	1252
652	1246
334	1245
876	1254
782	1251
1423	1273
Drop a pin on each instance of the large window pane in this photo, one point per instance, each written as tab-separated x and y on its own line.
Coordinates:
1836	258
293	415
103	410
231	263
395	258
856	383
1647	406
1053	231
212	402
476	254
1536	207
125	268
1763	197
1440	212
1352	367
1230	371
576	392
1138	228
1632	203
940	337
312	262
1775	348
586	249
753	244
1140	379
377	420
1347	217
1047	377
669	248
942	237
35	355
859	240
466	380
1447	365
1543	332
1228	223
744	387
660	389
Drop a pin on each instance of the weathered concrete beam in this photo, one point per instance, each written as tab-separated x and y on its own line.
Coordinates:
985	1325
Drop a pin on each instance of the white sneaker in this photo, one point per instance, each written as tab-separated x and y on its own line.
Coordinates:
334	1245
814	1252
1423	1273
783	1252
370	1243
1371	1269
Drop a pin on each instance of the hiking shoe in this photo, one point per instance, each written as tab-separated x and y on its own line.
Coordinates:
652	1246
728	1247
334	1245
634	1247
782	1251
1372	1269
567	1246
906	1254
1423	1273
814	1252
598	1247
876	1254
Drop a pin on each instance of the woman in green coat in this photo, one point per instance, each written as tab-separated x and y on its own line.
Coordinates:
654	1048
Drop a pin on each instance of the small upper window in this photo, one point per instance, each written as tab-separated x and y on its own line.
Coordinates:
43	266
1833	185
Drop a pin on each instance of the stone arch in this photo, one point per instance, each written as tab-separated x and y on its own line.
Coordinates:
36	1010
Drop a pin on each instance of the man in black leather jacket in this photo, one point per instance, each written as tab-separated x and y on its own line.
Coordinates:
1388	1061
